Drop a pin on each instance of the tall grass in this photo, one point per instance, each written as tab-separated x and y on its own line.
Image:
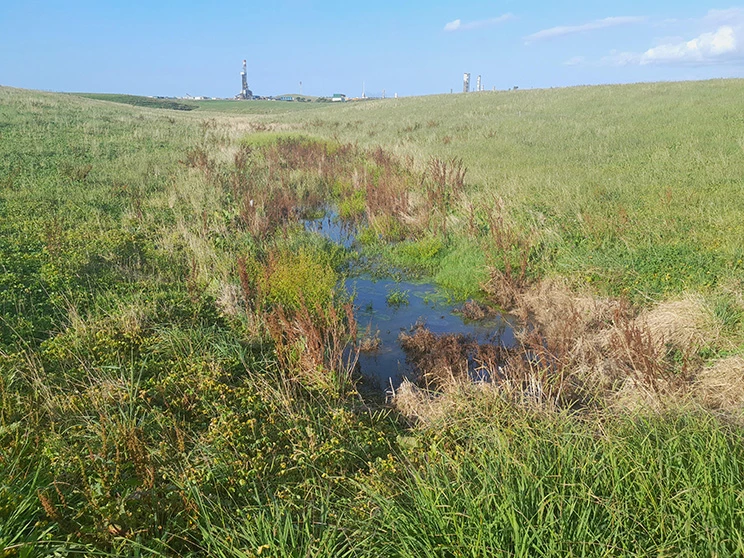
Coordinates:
536	485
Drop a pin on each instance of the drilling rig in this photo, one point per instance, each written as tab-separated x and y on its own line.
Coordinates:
245	93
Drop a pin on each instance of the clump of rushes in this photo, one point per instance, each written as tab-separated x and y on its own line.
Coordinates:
397	297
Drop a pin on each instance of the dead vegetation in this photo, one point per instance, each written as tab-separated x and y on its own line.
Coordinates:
721	386
370	341
316	347
475	311
579	351
445	360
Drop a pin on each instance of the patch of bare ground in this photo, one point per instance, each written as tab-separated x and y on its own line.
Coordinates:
575	350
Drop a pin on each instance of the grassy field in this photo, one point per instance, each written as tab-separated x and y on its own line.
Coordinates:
177	360
635	189
257	107
139	101
221	105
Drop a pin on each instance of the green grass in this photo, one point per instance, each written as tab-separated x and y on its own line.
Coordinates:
139	101
462	271
612	178
559	486
257	107
146	406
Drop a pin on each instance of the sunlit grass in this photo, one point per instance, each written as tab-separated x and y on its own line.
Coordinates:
147	406
647	172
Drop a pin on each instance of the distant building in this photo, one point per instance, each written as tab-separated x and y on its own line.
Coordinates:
286	98
338	98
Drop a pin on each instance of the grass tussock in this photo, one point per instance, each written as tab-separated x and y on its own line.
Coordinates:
721	385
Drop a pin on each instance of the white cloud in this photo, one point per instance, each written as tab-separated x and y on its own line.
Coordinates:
721	17
458	25
453	25
717	47
704	49
563	30
619	58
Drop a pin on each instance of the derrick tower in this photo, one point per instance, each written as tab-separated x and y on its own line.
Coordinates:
245	93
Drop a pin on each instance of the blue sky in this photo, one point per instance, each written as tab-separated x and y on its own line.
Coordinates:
167	47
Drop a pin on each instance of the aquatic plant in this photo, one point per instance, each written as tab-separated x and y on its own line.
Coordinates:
396	297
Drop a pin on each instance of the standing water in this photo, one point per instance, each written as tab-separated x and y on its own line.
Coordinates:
385	308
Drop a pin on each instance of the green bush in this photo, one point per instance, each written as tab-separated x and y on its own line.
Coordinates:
294	277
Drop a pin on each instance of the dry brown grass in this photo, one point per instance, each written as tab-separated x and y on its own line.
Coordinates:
575	349
610	342
553	305
721	386
686	324
421	406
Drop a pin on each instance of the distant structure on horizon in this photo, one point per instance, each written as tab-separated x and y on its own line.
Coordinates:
478	84
245	93
466	82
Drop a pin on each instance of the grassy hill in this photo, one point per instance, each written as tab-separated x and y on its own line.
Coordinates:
229	106
177	373
255	107
140	101
634	189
